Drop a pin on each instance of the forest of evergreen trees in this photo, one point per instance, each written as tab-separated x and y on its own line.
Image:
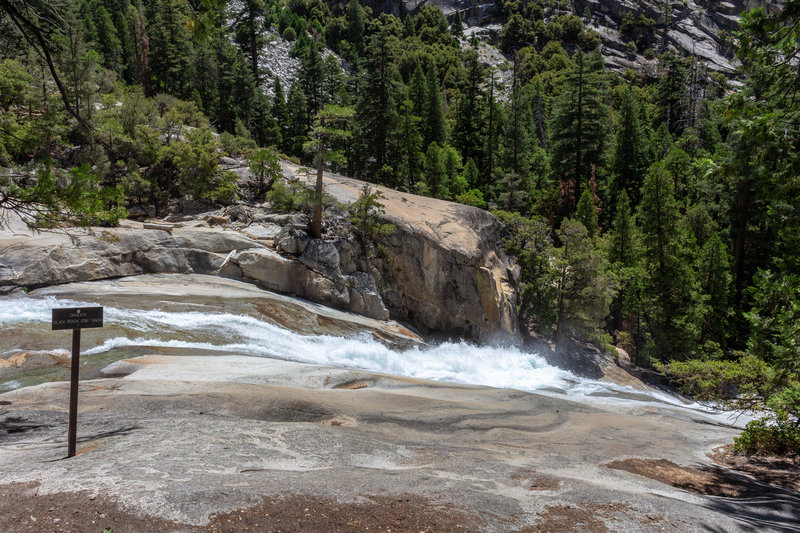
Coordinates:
660	214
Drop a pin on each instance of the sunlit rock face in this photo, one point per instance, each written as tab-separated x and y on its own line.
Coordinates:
696	27
444	269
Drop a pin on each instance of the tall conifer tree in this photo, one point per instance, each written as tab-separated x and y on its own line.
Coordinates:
376	112
674	304
579	127
280	111
467	131
630	151
434	109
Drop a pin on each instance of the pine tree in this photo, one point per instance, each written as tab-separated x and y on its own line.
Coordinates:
517	141
623	254
376	113
264	127
249	29
417	91
409	30
538	110
80	66
140	49
583	288
454	182
586	213
492	125
467	131
407	144
513	195
170	49
298	120
630	151
471	174
457	28
715	278
235	91
311	76
280	112
578	128
333	82
329	132
775	322
435	172
673	301
435	128
622	249
106	37
355	25
516	34
668	90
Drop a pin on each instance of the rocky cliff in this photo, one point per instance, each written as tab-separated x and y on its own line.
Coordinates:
703	28
699	27
443	271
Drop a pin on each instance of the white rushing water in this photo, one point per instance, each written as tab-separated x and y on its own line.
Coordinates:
503	367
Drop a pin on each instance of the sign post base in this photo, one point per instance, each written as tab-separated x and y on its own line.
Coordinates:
75	319
73	392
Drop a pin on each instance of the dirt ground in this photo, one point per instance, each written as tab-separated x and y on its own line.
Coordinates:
23	510
779	471
776	472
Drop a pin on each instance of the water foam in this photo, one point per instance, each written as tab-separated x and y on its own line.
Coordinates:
461	362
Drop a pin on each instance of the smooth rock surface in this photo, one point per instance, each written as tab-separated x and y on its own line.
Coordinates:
201	292
445	269
183	438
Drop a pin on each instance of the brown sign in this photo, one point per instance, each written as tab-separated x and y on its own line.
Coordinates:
78	317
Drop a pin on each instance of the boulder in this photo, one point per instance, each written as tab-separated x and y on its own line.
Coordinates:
321	255
292	241
218	220
52	258
364	296
262	231
282	219
192	206
212	240
270	270
238	213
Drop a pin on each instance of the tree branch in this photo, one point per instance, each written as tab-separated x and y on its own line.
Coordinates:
39	44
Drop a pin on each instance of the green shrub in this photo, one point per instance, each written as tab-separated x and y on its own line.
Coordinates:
286	198
236	145
769	436
265	169
737	384
224	189
473	197
366	213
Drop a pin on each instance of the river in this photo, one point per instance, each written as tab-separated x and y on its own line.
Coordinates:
131	332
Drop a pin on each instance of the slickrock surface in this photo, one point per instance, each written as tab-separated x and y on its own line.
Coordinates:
445	269
184	443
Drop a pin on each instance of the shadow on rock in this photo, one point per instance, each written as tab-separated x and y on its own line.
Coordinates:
583	361
758	505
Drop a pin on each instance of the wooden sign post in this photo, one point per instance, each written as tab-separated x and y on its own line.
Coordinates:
75	318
